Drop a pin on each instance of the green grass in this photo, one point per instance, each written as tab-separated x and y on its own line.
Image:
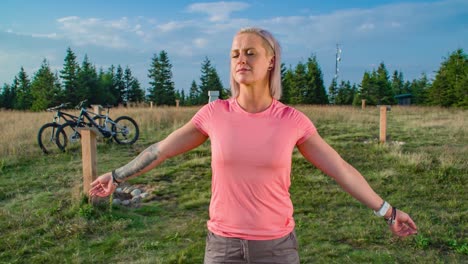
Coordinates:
422	169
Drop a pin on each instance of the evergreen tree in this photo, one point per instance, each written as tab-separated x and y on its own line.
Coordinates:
287	83
7	97
69	75
194	94
162	90
133	91
88	83
119	86
450	84
183	98
333	92
315	92
209	81
384	89
127	81
397	83
367	90
419	89
106	86
23	91
44	88
300	83
346	93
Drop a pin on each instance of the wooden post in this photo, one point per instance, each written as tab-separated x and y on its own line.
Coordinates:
383	124
177	103
151	104
98	110
363	104
88	149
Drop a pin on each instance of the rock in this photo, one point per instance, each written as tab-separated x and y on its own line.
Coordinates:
116	201
144	195
125	202
136	192
128	189
118	190
136	199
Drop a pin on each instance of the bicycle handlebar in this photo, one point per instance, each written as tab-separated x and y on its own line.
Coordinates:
81	104
57	107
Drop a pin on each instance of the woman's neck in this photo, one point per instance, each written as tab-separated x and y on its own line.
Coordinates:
253	100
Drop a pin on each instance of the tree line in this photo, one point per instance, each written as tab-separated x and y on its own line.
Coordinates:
302	84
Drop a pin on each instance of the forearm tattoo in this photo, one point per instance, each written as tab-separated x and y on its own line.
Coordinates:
138	164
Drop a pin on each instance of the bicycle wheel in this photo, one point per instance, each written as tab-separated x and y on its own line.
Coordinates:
72	136
46	138
125	130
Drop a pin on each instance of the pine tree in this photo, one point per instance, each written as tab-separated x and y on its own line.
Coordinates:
384	89
367	90
333	92
107	86
419	88
287	83
127	83
119	86
194	94
44	88
209	81
162	90
183	98
315	92
133	91
346	93
300	83
88	83
69	75
287	77
23	91
397	83
450	84
7	97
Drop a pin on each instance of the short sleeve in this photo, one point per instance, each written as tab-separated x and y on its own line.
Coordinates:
202	119
305	127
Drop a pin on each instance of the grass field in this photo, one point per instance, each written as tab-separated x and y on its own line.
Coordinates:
422	169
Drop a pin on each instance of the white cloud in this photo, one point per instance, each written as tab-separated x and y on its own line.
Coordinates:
174	25
96	31
49	36
200	42
34	35
366	27
217	11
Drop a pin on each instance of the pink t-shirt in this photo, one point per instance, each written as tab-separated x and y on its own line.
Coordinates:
251	166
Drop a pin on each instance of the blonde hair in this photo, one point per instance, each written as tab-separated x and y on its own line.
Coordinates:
272	46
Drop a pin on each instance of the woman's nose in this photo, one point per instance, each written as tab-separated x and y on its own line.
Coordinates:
241	59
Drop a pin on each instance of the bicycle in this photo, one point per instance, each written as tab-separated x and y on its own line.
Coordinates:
124	130
46	137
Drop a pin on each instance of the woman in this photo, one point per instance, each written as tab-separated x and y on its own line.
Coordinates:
252	138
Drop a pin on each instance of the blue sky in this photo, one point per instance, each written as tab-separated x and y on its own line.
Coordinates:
410	36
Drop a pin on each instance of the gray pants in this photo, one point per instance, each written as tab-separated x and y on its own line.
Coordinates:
234	250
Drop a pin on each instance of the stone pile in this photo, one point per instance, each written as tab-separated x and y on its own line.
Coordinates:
128	196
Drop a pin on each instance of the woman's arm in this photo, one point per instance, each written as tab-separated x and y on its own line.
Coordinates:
178	142
324	157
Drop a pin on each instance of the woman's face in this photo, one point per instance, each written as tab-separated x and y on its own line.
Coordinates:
250	60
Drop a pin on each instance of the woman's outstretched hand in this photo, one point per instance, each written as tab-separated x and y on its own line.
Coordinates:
404	225
103	186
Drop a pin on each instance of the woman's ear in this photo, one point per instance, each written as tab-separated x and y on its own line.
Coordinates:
272	62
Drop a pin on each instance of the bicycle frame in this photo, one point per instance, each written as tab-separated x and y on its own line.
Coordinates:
59	114
88	115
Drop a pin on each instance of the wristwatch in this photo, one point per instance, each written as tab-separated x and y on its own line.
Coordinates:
114	180
383	209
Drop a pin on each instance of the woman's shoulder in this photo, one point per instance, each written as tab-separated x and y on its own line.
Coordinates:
286	110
